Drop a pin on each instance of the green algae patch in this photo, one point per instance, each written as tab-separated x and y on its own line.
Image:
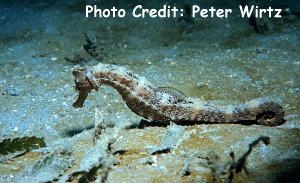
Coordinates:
26	144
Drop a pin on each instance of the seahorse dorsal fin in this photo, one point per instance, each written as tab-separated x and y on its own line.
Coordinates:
180	96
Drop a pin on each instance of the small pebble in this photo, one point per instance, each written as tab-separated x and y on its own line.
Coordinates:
53	58
12	91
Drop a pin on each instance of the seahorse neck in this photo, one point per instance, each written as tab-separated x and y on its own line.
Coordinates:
124	81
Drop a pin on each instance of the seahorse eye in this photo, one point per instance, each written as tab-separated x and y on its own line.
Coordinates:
75	72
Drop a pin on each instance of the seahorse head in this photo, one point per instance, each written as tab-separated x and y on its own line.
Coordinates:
83	84
82	81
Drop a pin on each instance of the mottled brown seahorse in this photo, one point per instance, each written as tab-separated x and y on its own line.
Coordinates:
166	105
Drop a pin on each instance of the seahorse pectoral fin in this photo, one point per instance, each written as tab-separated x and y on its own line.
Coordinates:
81	98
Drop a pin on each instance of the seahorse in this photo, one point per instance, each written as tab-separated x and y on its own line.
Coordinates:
168	105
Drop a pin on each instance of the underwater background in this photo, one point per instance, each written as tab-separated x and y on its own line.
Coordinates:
43	138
